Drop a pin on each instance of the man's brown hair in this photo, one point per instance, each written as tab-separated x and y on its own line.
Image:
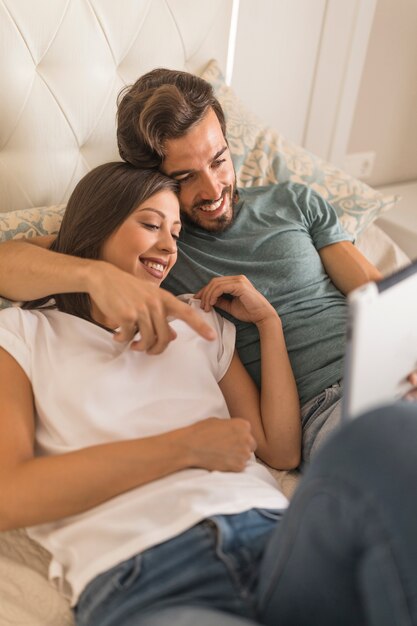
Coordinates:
161	105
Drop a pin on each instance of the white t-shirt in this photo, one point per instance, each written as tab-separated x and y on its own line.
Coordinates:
89	390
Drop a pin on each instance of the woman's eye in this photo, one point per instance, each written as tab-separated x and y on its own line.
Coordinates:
175	236
218	162
150	226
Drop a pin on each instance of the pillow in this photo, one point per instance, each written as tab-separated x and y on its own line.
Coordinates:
27	598
262	156
28	223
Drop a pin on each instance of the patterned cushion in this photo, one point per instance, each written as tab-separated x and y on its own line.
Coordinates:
262	156
28	223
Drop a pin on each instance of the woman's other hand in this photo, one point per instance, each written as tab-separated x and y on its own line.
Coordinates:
246	303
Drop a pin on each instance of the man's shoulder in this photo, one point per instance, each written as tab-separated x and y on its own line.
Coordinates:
284	188
283	197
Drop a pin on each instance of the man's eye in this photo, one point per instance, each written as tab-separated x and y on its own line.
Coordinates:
218	162
186	179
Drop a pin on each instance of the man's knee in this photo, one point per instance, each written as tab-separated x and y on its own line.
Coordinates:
191	616
383	439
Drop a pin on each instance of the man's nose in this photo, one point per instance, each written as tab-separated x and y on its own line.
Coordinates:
211	187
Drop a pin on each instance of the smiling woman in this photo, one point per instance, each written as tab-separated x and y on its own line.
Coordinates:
148	430
149	238
123	215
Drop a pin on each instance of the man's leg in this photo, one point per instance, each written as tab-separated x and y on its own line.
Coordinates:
191	616
346	550
320	418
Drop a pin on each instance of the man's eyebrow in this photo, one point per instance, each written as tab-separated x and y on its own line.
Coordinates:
177	173
160	213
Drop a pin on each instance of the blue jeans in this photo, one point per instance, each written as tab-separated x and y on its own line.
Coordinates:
320	417
212	565
344	553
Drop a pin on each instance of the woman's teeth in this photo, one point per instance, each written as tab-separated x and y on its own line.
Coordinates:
156	266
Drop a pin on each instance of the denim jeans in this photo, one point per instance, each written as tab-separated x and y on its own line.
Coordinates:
320	417
344	553
212	566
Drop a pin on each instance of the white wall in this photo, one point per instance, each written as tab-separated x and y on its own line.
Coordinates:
385	120
276	51
298	65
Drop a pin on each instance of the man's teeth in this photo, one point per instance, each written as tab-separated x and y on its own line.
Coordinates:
212	207
155	266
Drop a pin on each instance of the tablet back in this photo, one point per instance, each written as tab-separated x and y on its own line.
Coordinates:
381	347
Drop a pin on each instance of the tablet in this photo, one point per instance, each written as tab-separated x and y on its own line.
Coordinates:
381	348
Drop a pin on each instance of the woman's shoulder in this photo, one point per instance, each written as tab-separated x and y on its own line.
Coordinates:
13	315
23	321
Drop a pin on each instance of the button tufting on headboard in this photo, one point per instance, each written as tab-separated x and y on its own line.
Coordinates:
62	64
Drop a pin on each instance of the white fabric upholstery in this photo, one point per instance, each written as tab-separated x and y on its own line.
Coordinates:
62	64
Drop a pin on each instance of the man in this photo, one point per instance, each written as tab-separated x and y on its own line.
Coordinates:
285	238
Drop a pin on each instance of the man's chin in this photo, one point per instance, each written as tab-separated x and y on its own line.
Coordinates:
217	225
213	225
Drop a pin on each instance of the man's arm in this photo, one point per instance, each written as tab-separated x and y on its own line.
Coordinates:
347	267
28	272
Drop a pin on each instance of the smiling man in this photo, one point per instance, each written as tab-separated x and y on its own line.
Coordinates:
200	161
285	238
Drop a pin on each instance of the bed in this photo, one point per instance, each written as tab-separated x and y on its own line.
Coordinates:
62	65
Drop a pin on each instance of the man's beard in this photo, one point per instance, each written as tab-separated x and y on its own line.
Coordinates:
221	223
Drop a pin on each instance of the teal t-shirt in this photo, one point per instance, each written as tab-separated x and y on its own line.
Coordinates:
274	240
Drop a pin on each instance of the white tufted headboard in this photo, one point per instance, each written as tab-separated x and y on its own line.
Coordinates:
62	64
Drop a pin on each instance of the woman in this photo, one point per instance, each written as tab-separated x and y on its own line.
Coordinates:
109	453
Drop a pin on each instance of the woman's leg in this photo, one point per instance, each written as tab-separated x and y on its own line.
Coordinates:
346	551
203	577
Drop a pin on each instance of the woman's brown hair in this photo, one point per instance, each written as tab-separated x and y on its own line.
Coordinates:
99	204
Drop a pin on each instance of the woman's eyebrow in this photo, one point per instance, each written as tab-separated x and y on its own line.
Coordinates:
160	213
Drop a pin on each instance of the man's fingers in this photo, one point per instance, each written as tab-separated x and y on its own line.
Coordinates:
148	335
125	332
153	323
128	330
193	319
163	336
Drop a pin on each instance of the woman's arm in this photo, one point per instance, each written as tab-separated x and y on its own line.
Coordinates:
275	416
36	490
